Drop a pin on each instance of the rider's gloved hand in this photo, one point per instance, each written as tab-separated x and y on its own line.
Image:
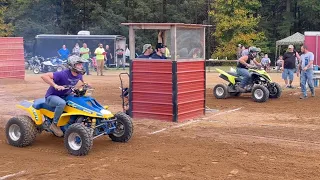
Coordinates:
59	88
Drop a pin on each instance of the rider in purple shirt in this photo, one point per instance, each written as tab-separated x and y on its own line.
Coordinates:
57	93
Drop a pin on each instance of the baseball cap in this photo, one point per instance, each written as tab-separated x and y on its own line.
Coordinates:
159	46
290	46
145	47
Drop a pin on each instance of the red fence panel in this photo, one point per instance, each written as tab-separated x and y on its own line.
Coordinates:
12	57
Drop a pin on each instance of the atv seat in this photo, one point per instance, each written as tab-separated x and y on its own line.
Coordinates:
41	104
233	74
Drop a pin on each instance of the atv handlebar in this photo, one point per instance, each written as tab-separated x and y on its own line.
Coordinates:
79	91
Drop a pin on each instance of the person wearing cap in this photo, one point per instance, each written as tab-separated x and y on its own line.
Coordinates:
146	52
289	65
160	50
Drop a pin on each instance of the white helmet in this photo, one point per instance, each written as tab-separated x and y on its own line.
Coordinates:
73	60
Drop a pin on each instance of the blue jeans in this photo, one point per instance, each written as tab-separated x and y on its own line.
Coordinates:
59	104
86	66
306	77
246	77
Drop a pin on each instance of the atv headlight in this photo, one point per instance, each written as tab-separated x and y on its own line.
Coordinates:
105	112
89	92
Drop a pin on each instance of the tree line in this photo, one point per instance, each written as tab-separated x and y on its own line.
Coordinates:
248	22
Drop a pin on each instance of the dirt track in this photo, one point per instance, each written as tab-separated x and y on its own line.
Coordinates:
278	139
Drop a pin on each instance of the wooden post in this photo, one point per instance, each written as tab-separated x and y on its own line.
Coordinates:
203	41
132	42
173	49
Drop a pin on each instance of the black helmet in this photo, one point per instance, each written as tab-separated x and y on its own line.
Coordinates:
73	60
253	50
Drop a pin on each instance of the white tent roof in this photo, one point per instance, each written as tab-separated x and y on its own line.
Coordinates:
296	38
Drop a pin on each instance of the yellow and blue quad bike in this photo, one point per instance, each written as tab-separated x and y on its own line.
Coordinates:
261	86
83	120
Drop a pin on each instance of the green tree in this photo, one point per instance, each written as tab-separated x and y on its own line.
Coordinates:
236	22
6	29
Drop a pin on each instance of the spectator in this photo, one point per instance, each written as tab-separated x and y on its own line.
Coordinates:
119	53
127	54
306	68
85	52
167	52
279	63
64	53
160	50
245	51
265	62
147	51
108	55
289	65
76	50
100	53
239	50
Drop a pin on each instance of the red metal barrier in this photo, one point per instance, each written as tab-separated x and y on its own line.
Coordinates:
12	57
167	90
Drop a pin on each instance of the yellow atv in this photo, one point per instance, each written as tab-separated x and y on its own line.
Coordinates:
83	120
261	86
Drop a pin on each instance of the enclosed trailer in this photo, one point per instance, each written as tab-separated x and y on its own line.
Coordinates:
47	45
312	41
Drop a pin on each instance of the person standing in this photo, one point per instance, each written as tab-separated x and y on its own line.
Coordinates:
120	57
76	50
100	53
64	52
289	65
127	55
108	55
85	52
305	70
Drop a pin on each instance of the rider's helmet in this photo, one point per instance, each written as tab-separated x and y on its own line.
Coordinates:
73	60
253	51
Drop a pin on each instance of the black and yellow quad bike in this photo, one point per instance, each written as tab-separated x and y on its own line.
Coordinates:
261	86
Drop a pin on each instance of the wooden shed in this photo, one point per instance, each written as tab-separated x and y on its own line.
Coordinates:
169	89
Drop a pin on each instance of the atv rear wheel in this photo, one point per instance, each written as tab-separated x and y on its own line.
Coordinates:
220	91
274	90
260	93
78	139
124	128
21	131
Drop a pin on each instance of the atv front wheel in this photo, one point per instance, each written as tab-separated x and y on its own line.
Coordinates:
36	70
220	91
274	90
60	68
124	128
260	93
78	139
21	131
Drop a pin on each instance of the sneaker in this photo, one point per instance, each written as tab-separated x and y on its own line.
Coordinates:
313	94
56	130
291	87
303	97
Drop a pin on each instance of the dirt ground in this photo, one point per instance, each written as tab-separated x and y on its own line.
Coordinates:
278	139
